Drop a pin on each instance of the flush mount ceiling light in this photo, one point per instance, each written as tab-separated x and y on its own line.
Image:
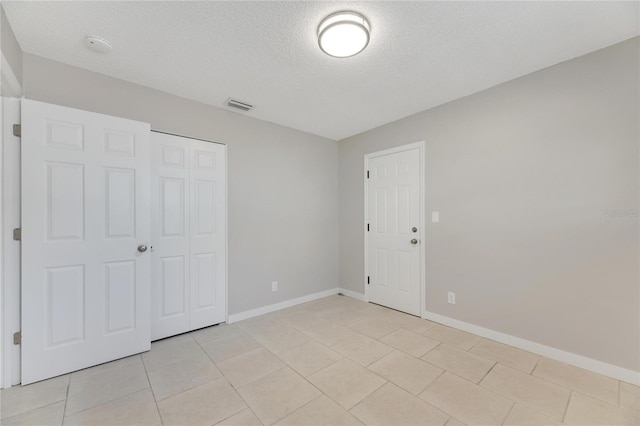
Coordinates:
343	34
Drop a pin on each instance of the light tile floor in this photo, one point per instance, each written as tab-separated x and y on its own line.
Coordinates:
334	361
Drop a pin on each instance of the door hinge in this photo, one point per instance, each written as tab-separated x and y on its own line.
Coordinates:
17	234
17	130
367	227
17	338
367	174
368	280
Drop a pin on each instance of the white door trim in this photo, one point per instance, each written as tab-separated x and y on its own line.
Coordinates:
226	231
421	146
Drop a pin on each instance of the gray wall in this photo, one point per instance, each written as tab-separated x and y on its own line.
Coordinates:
10	47
522	175
283	183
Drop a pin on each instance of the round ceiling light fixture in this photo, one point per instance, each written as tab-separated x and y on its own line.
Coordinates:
97	44
343	34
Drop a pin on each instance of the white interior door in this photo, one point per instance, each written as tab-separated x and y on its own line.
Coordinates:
208	238
189	234
170	163
394	191
85	211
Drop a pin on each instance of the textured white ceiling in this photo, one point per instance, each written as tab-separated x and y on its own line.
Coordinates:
421	54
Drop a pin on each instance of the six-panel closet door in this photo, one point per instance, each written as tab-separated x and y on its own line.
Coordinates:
188	199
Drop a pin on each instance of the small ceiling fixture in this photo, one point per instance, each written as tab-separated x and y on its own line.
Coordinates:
97	44
343	34
234	103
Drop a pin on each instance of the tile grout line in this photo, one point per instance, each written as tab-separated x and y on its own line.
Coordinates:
402	387
393	348
207	354
619	394
436	407
255	380
549	381
571	393
183	390
476	343
535	367
508	412
248	407
566	408
299	408
109	400
374	391
539	378
495	363
66	398
156	401
432	349
499	395
431	384
235	390
34	409
336	402
572	390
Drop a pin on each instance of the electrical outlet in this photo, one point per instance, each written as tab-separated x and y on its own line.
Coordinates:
274	286
451	298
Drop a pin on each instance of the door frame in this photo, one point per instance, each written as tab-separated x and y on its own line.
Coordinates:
421	145
10	259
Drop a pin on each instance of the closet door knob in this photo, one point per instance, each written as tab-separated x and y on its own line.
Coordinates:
142	248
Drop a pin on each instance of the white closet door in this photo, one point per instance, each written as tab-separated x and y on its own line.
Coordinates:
170	223
208	233
85	211
189	234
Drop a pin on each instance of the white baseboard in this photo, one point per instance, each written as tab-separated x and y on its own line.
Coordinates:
590	364
352	294
280	305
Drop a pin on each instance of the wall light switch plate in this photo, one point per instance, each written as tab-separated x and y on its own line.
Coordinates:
435	217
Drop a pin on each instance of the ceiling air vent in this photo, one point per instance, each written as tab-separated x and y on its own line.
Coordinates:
242	106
